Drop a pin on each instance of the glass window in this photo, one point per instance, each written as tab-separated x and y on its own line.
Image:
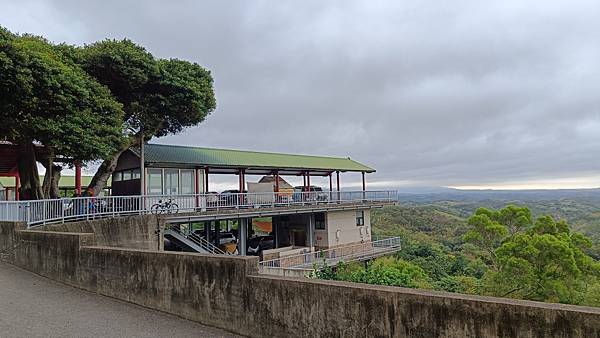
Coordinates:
187	182
171	181
126	175
135	174
117	176
320	221
154	182
360	218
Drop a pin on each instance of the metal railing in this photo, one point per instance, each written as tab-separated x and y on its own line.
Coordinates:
330	257
47	211
200	241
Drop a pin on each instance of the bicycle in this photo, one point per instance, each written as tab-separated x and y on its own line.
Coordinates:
167	207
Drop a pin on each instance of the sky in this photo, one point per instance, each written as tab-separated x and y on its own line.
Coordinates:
467	94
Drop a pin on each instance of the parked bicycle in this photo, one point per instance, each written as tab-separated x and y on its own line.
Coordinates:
167	207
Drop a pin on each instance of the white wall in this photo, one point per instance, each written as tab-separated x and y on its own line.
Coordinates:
342	229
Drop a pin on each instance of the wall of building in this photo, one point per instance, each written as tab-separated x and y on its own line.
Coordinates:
136	232
227	292
342	228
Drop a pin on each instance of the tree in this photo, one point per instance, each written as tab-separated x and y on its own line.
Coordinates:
47	105
159	97
542	261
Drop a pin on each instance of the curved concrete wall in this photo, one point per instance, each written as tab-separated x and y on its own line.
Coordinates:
228	293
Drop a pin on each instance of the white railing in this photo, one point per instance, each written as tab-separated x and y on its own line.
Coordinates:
330	257
41	212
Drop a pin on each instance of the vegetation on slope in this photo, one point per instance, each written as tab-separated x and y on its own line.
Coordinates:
506	253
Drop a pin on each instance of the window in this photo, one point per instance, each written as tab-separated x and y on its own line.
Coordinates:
171	181
135	174
126	175
155	182
320	221
187	182
360	218
118	176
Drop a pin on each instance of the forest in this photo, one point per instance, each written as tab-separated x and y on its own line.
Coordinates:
505	252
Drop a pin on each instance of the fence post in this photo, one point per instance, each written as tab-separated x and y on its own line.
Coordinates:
27	213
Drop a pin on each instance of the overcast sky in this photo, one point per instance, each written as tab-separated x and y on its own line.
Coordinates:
453	93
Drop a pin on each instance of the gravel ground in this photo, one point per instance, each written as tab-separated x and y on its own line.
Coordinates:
34	306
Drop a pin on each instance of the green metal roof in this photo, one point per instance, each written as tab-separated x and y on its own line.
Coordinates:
223	158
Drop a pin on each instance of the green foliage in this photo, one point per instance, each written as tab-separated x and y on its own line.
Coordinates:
505	252
45	97
162	96
382	271
543	262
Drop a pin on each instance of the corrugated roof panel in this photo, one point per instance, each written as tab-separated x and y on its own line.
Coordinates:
158	153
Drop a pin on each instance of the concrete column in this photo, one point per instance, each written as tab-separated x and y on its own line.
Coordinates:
207	230
311	229
243	233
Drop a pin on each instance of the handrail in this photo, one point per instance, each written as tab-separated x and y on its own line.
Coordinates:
345	253
201	242
40	212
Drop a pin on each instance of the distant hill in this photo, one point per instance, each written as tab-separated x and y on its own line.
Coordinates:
441	213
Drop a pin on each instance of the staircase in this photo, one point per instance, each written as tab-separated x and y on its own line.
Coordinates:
191	243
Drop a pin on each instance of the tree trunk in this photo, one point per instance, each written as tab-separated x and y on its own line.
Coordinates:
51	180
106	169
28	172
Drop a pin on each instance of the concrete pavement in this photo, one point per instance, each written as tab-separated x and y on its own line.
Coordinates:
33	306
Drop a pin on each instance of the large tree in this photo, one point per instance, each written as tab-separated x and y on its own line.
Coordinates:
537	260
50	107
159	97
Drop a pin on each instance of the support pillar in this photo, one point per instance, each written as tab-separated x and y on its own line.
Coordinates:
276	181
337	174
311	230
330	186
17	187
364	185
78	178
206	179
197	187
243	234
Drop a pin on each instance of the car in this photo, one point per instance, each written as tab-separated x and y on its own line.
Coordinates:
256	245
307	194
232	197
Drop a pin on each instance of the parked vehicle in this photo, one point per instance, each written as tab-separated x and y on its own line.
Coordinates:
212	198
309	194
256	245
231	197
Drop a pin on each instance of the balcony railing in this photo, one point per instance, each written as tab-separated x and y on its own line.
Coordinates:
47	211
331	257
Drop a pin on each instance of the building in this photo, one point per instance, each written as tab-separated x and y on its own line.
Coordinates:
303	221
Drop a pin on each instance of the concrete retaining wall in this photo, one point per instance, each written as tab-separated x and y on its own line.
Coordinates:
137	232
227	292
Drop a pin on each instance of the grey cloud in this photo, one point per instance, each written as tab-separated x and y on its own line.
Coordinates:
456	93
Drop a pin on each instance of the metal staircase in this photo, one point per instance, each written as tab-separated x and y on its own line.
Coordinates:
192	242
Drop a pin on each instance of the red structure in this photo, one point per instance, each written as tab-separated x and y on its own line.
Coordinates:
78	178
9	166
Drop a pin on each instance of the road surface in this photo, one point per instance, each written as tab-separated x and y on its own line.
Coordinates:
33	306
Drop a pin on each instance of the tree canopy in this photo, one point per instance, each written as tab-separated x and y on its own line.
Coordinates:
47	99
92	102
159	97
